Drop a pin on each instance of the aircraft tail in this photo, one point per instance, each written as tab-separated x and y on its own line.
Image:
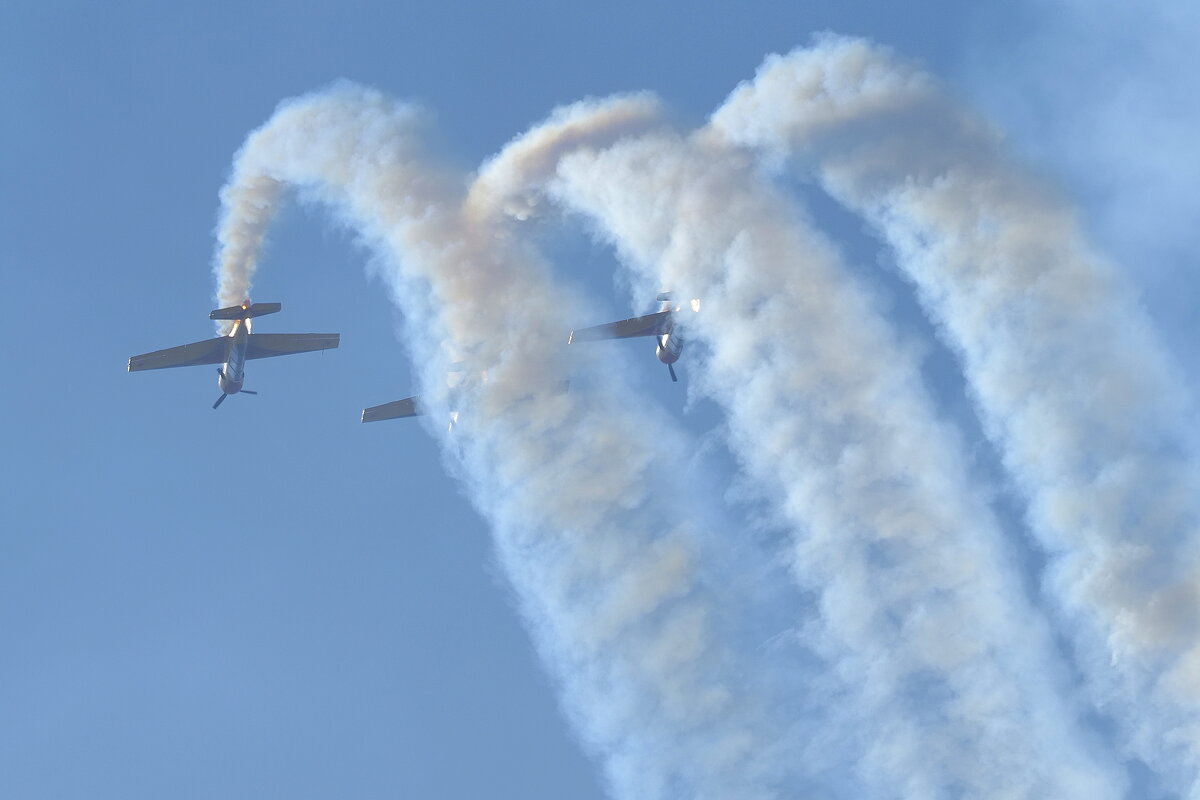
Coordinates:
245	311
666	299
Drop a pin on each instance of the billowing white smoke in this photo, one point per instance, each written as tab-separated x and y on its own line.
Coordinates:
954	677
1070	382
512	180
1109	110
581	488
248	208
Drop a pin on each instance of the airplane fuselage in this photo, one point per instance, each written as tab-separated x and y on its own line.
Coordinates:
669	344
233	372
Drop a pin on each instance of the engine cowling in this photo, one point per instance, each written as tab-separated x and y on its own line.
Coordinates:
669	348
228	386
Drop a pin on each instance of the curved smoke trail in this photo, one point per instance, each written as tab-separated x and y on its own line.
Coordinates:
1071	384
579	487
921	611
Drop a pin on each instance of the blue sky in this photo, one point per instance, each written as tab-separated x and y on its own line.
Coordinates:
272	599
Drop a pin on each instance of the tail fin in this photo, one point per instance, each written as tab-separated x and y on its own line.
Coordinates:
245	311
666	297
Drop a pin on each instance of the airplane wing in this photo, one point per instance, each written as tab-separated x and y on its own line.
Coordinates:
210	351
400	408
649	325
266	345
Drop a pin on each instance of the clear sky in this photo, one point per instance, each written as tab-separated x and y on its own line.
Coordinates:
273	599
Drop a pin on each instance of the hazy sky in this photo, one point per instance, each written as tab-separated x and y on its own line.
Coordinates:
273	599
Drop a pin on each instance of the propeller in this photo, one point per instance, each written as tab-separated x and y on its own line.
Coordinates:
221	399
671	369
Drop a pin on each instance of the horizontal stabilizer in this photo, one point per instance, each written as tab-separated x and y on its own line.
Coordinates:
397	409
245	311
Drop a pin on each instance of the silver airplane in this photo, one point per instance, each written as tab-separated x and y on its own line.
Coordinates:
661	325
397	409
411	406
234	350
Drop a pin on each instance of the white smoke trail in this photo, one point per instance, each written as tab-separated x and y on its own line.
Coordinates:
921	612
1071	384
513	178
579	487
248	207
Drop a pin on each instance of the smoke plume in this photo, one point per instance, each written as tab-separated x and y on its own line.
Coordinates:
580	488
924	668
922	616
1069	380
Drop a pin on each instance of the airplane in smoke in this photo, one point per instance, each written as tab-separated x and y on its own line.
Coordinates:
397	409
411	406
234	350
661	325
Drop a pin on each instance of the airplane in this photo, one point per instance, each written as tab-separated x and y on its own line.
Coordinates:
234	350
661	325
397	409
412	407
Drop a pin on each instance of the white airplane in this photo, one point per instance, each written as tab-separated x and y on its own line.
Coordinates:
661	325
234	350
